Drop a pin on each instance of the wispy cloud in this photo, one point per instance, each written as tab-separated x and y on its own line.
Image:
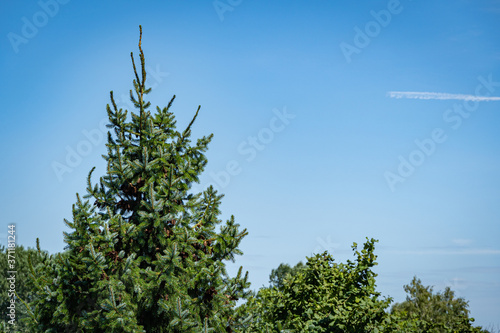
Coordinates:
462	241
443	96
450	252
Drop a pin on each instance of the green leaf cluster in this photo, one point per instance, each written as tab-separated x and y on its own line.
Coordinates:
284	271
431	312
323	296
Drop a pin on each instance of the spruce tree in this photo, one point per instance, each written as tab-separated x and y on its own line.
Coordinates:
143	254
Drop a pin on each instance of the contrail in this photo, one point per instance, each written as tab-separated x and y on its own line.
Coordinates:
434	95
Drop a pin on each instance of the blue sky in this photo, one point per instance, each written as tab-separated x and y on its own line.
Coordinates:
309	149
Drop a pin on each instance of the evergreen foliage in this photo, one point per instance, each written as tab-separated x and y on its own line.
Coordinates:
22	256
144	254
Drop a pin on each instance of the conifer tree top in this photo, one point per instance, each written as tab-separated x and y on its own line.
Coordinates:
144	254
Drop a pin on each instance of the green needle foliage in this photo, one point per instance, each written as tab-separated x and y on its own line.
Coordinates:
143	254
20	259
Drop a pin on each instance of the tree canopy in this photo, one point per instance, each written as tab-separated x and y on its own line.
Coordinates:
325	296
22	257
434	312
143	254
278	275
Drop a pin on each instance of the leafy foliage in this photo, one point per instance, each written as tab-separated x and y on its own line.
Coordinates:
440	312
143	254
284	271
323	297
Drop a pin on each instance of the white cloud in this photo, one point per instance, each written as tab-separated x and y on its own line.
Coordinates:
442	96
462	242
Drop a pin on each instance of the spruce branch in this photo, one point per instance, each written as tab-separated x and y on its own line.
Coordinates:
187	130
